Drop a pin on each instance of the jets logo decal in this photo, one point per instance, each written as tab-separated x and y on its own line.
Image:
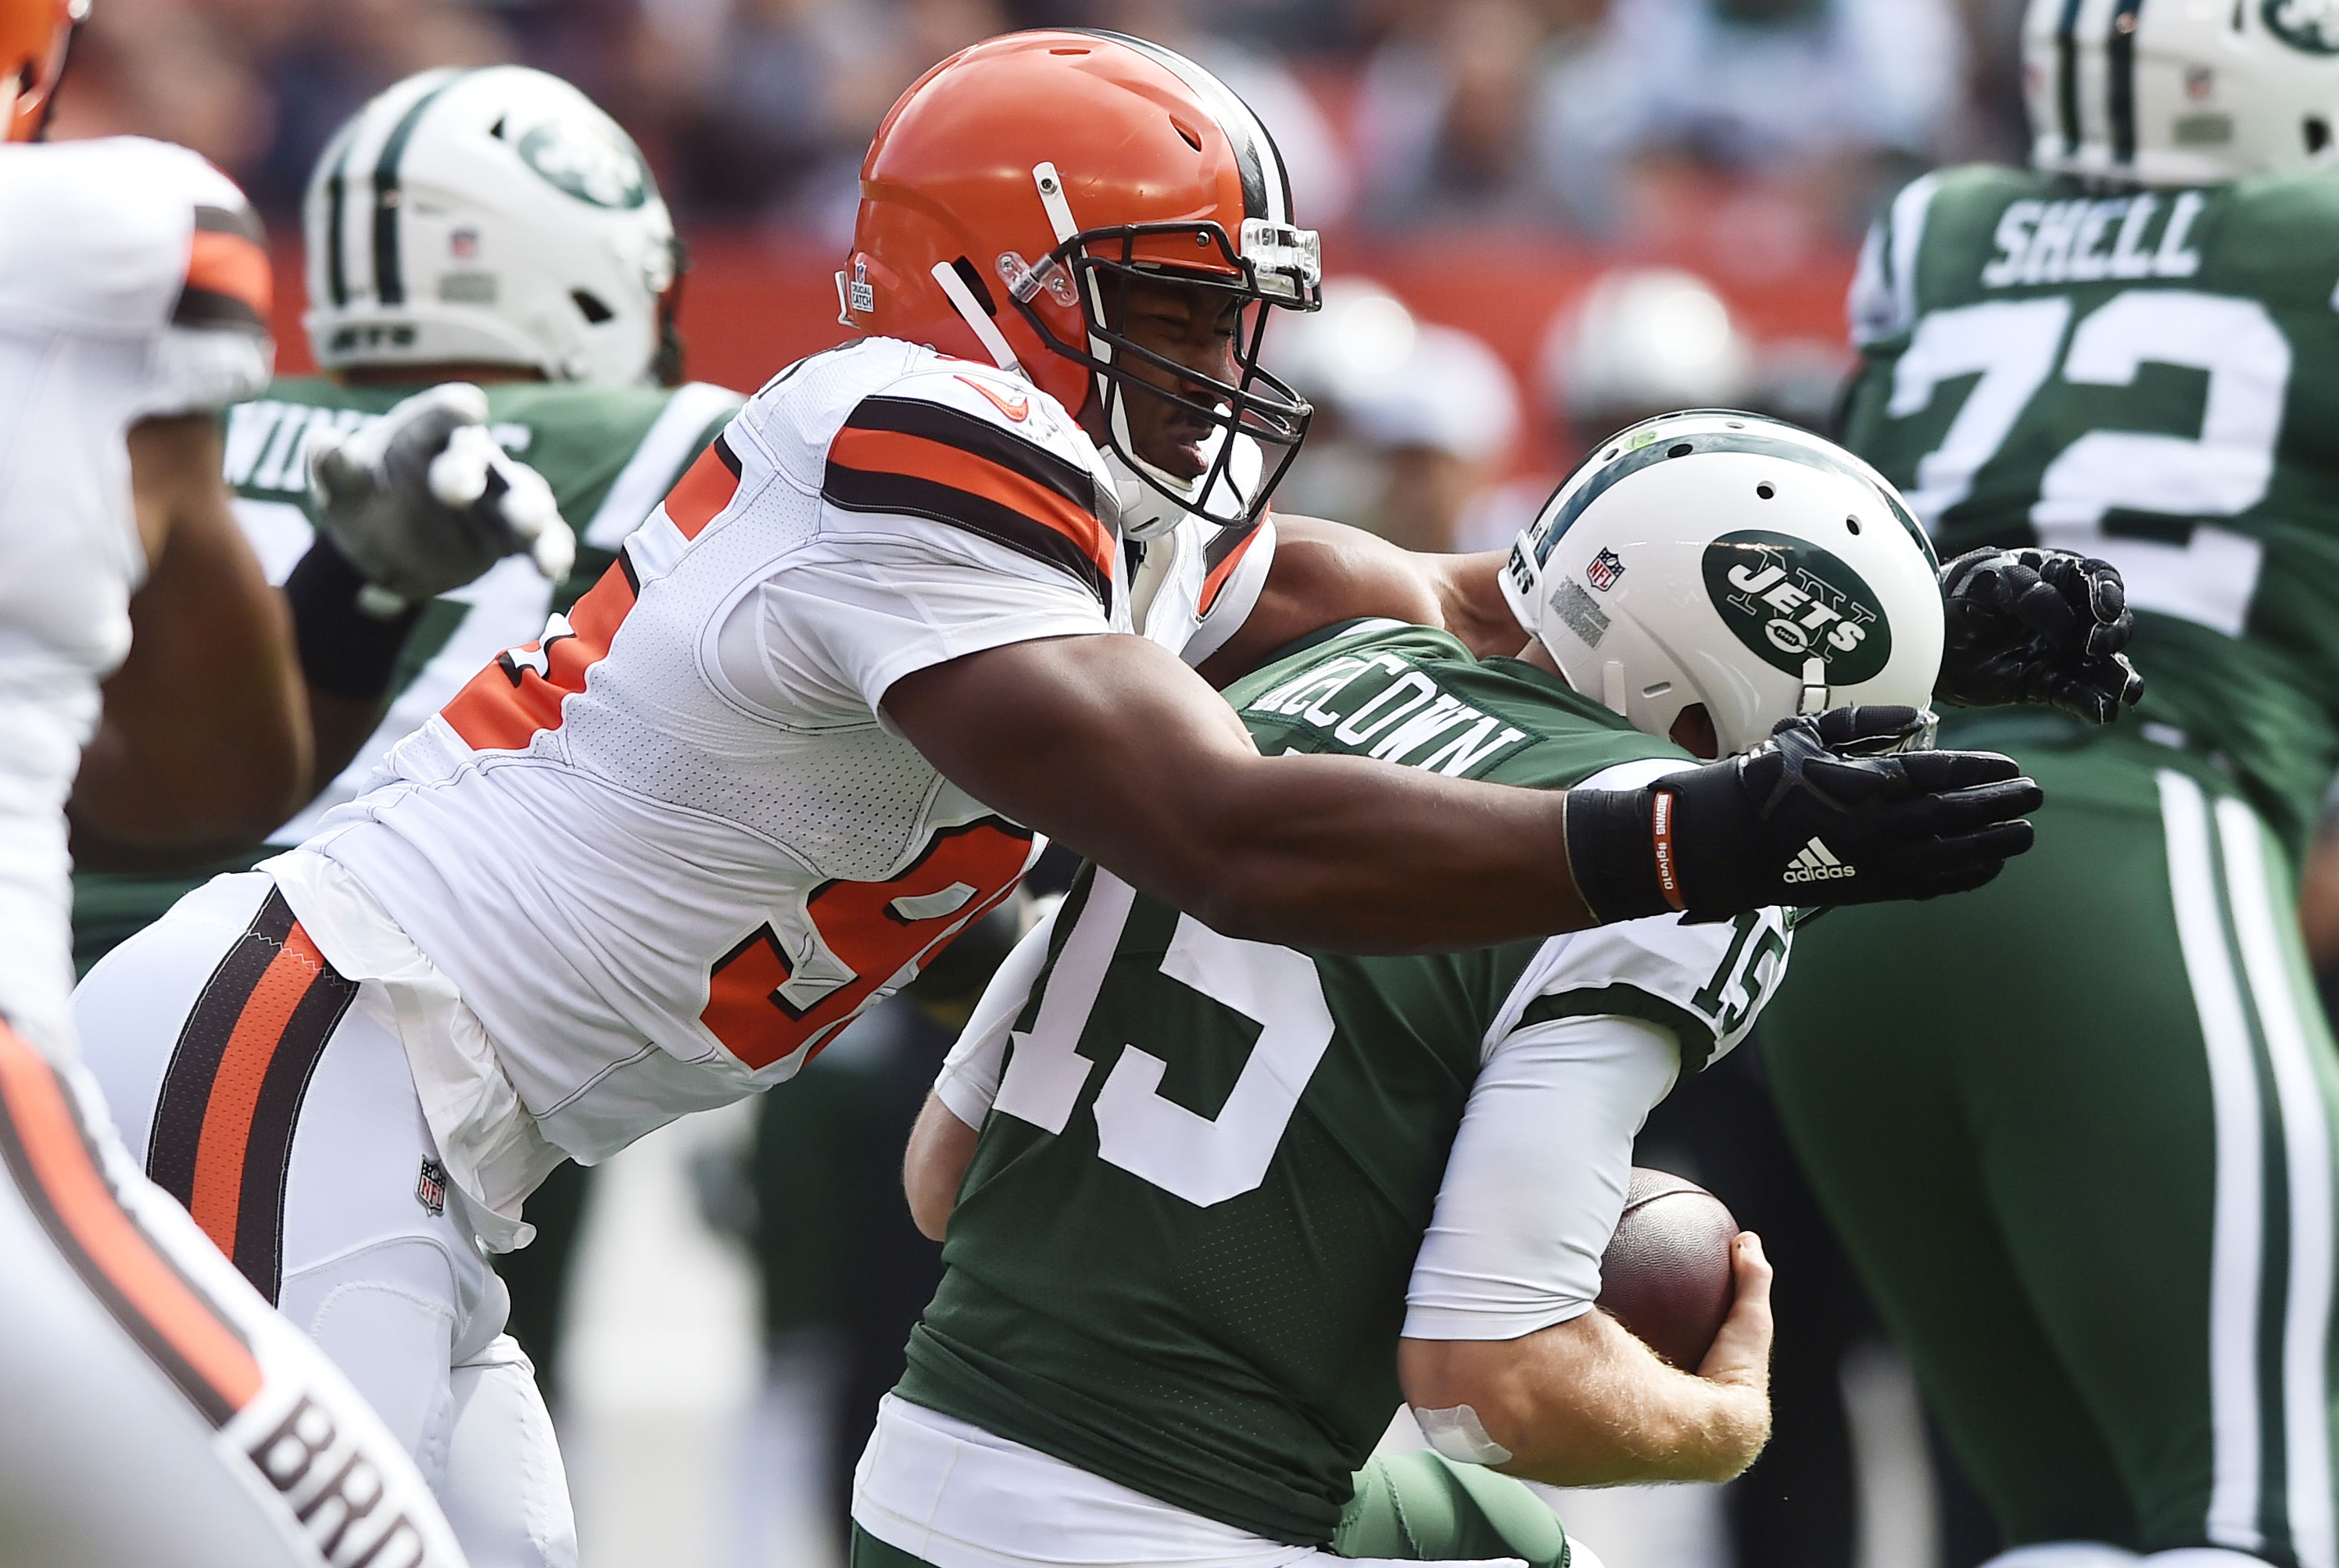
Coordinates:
2312	25
1791	602
1017	410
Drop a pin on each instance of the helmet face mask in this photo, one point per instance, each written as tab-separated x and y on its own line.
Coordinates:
1724	560
1139	389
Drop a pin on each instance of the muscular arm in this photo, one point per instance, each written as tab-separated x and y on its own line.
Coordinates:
205	745
1584	1404
940	1148
1326	573
1112	746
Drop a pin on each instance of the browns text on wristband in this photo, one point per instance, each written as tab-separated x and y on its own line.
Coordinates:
344	651
1611	852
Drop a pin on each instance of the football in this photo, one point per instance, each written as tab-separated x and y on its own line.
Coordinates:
1666	1274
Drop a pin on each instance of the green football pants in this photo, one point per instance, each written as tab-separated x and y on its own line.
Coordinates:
1414	1507
2076	1130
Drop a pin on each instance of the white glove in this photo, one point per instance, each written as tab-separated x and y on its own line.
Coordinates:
423	501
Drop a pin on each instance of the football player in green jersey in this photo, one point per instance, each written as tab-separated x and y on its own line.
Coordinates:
493	227
2089	1175
1232	1203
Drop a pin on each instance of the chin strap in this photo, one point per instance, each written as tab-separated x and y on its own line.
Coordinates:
963	301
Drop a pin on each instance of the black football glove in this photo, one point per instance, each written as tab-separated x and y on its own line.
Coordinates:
2036	626
1825	811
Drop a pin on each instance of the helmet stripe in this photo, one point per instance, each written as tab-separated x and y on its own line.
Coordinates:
337	276
388	276
1265	184
2066	76
2120	58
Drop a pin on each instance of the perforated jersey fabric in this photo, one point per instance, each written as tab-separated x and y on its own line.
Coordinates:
96	332
667	852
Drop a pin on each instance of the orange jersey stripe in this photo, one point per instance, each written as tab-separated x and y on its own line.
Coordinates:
45	1127
1218	577
218	1196
895	452
703	491
232	265
504	706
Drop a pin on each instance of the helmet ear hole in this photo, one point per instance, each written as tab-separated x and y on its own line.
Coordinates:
595	311
2317	131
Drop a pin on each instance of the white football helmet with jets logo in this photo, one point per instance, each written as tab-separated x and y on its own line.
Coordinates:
1724	558
495	216
2182	91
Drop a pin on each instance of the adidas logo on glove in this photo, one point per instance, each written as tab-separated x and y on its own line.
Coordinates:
1816	864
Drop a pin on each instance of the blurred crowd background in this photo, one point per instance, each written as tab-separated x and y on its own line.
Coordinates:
1543	219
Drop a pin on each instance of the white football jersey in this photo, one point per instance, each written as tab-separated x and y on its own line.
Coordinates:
667	852
133	283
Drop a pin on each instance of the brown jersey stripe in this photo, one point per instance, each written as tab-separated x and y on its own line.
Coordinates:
922	458
48	1153
972	433
240	221
234	1087
854	490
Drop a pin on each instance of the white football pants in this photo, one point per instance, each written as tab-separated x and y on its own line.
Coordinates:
268	1094
153	1409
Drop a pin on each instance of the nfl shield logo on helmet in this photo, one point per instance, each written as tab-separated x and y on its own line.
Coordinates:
1603	570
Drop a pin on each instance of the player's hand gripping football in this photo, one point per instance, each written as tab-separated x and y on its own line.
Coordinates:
424	500
2036	626
1830	810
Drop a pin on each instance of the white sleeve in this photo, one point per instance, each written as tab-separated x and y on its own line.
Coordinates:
969	1081
853	624
1536	1178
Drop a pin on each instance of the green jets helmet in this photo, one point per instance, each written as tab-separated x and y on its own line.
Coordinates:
1720	558
494	216
2182	91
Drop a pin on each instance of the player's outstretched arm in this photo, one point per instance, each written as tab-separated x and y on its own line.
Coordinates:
1110	746
205	745
1584	1404
1325	573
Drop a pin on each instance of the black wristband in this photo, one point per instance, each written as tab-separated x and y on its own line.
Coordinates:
345	651
1612	849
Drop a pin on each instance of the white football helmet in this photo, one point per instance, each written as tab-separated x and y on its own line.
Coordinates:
1724	559
496	217
2181	92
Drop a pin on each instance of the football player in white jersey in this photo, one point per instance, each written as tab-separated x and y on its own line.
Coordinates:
933	593
156	1409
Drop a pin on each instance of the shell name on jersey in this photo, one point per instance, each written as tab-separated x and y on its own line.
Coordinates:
2087	241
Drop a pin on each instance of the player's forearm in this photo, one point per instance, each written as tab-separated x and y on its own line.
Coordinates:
1584	1404
1112	747
1358	856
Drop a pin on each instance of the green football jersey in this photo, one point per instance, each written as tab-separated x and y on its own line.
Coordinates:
610	454
1179	1258
2152	378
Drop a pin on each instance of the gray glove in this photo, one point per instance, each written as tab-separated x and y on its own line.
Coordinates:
424	501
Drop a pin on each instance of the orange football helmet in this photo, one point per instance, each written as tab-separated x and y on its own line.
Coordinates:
34	35
1014	178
